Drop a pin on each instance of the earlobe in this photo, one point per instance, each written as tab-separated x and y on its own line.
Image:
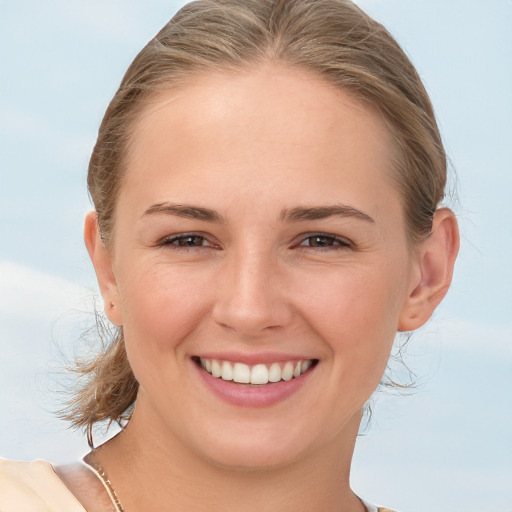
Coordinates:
436	261
101	259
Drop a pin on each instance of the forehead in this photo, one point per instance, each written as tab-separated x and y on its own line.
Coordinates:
272	126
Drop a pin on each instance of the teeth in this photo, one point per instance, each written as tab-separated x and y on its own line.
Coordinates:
258	374
216	369
287	372
303	367
241	373
227	371
274	373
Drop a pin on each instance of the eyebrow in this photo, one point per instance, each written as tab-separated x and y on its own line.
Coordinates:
323	212
298	214
186	211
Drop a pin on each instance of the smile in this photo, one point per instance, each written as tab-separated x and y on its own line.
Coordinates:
259	374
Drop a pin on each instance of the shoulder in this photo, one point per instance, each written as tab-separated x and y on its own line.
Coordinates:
34	487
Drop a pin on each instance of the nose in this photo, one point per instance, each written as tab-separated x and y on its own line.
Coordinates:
252	299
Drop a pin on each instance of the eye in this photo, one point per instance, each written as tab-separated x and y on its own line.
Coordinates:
324	241
186	240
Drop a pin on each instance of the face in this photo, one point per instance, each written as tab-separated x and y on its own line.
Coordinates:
258	237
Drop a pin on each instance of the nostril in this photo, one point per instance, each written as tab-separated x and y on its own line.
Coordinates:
226	326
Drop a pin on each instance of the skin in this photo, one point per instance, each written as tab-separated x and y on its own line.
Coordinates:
253	147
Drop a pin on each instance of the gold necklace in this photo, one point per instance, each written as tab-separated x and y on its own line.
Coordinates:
108	484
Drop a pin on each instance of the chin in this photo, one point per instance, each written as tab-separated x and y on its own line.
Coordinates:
271	446
261	457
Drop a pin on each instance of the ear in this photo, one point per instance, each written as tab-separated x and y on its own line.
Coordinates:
436	258
101	258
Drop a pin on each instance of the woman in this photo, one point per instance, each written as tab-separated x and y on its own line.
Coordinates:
266	183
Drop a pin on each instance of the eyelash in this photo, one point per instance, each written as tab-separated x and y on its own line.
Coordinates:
337	242
334	242
169	242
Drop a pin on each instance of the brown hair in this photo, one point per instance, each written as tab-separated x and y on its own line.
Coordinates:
333	39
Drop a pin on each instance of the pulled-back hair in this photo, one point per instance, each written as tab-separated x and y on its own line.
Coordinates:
333	39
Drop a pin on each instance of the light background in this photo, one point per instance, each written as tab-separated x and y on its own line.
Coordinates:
448	446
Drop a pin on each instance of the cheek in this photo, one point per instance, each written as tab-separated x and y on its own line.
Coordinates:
161	307
357	314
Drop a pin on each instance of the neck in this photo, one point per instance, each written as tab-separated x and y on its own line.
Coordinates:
149	471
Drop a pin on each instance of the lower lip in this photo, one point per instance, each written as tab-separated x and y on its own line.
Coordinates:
247	395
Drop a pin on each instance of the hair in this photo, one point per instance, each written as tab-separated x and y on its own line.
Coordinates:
332	39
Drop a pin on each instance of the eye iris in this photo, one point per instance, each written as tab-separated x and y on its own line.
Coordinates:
190	241
320	241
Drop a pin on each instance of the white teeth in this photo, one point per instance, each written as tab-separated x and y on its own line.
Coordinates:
305	365
274	373
227	371
216	369
241	373
258	374
287	372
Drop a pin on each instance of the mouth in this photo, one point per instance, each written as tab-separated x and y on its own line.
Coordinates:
258	374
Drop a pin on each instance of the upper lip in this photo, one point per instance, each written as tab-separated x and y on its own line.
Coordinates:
253	359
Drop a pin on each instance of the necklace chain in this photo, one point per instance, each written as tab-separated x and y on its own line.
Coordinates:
108	484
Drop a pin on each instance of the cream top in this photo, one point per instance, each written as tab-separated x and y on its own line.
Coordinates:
34	487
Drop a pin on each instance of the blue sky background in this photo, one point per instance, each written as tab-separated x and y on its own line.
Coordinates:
448	446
